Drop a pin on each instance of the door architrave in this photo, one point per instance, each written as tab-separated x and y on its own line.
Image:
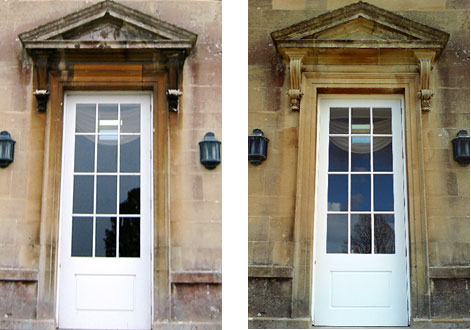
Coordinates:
125	80
368	80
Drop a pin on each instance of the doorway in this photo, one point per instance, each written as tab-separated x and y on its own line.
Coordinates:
105	249
360	248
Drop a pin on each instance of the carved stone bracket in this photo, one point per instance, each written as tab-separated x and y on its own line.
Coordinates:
425	68
295	65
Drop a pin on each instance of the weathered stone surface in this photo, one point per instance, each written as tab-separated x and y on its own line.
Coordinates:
269	297
18	299
450	298
196	302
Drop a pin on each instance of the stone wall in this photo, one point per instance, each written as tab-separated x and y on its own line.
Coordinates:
272	185
194	193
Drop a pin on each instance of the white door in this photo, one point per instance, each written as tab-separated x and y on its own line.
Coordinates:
105	223
360	257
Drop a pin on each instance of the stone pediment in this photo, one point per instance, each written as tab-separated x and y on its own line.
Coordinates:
108	25
360	25
355	33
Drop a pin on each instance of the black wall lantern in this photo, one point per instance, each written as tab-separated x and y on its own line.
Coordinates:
461	147
7	149
210	151
258	146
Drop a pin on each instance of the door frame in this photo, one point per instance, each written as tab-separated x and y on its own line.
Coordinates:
151	175
384	97
372	79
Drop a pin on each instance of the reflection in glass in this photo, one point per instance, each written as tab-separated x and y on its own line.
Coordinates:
360	233
130	118
360	120
84	153
360	192
337	233
338	121
107	118
105	237
360	153
129	237
384	233
382	154
83	194
85	118
338	154
382	120
82	236
383	192
107	153
129	194
337	195
130	154
106	194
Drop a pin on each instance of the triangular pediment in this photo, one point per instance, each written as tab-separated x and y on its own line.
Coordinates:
108	25
360	25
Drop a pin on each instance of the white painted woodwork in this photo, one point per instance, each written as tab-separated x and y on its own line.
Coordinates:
353	289
105	292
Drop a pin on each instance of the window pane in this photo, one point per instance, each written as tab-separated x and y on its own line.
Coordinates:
384	233
338	154
130	154
338	121
129	194
129	237
361	192
82	236
382	120
382	154
107	153
360	120
337	233
107	118
105	237
130	118
360	233
106	194
337	196
84	153
360	153
383	192
83	194
85	118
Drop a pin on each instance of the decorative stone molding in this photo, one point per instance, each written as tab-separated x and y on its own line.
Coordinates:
295	65
359	33
106	29
173	96
425	68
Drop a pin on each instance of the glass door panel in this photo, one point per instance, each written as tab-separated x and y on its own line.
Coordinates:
360	181
107	143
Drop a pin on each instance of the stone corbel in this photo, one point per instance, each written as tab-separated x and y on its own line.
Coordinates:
41	93
295	65
425	68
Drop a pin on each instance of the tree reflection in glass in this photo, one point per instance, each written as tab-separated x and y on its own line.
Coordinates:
129	227
360	233
384	233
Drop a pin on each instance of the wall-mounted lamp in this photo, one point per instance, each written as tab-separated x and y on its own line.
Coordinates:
258	146
210	151
7	149
461	147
